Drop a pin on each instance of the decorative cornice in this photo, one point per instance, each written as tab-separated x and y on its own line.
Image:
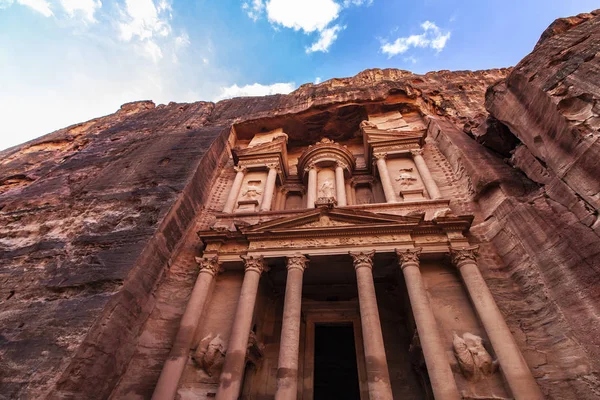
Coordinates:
362	259
298	261
466	255
408	257
209	265
256	264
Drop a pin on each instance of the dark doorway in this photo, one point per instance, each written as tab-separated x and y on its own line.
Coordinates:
336	372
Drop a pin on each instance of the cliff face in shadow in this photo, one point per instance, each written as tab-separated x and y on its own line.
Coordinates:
92	215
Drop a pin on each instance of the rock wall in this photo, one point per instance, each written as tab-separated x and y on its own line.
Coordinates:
93	216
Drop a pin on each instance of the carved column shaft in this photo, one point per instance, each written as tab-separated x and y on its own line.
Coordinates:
287	369
168	382
512	364
423	169
434	351
350	194
230	381
340	186
269	189
311	194
377	368
386	182
235	190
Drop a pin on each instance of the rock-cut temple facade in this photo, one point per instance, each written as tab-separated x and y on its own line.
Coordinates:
386	236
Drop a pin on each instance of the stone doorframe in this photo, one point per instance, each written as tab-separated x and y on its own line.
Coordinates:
314	312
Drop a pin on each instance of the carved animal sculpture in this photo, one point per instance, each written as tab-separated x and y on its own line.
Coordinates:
474	360
210	354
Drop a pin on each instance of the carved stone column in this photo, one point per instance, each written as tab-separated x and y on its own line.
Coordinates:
350	194
423	169
235	189
512	364
287	369
340	186
230	381
168	382
384	175
269	188
377	368
311	194
434	351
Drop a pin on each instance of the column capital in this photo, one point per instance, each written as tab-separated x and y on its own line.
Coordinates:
298	261
274	166
362	259
309	167
416	152
210	266
341	164
256	264
408	257
379	156
464	256
240	168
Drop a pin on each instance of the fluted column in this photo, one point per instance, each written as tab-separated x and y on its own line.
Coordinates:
235	189
340	186
423	169
230	381
269	188
384	175
512	364
434	351
311	194
168	382
287	369
377	368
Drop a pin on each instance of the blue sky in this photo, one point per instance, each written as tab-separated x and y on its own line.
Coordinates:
67	61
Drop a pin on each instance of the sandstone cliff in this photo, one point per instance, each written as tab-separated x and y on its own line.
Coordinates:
92	216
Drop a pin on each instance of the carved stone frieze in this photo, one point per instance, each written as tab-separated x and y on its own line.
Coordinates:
210	354
362	259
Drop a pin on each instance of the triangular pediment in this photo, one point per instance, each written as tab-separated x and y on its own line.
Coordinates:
277	145
331	219
376	135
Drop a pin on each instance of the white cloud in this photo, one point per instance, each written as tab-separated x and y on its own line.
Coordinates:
144	20
6	3
317	80
255	89
41	6
432	37
348	3
254	8
85	7
306	15
410	59
151	50
326	39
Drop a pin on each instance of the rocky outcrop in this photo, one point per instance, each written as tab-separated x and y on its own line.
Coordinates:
92	216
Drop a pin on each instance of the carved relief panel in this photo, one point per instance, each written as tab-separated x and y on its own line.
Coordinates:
406	180
326	183
252	191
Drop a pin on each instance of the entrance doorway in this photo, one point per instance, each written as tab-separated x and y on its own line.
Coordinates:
336	370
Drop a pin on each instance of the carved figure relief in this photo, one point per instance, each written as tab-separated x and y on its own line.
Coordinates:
473	359
406	178
252	191
210	354
327	189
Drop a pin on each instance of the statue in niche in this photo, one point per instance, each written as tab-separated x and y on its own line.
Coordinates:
473	359
210	354
327	189
252	191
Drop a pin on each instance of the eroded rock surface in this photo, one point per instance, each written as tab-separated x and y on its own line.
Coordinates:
92	216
